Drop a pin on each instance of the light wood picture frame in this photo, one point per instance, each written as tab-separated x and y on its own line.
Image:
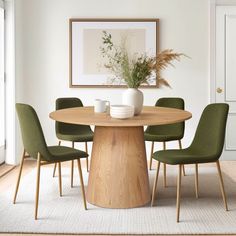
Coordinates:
85	39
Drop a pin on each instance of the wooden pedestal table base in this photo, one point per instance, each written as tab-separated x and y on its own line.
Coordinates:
118	175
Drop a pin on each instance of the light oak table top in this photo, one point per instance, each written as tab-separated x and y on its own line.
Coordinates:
149	116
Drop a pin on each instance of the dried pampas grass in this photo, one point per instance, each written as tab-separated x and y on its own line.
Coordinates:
163	60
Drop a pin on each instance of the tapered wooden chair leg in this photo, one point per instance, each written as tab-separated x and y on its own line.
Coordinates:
164	175
54	170
59	178
183	168
180	147
82	184
19	176
72	169
37	186
150	163
87	161
72	174
178	192
222	188
196	180
155	183
55	165
164	168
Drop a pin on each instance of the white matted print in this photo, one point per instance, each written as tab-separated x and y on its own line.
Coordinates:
86	61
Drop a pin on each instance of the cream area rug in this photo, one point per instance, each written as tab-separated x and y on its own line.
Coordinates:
66	214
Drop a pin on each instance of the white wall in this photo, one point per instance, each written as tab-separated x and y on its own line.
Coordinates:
10	80
42	52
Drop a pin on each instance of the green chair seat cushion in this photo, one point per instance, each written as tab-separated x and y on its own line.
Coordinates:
72	132
62	153
34	141
184	156
170	132
75	137
208	142
161	137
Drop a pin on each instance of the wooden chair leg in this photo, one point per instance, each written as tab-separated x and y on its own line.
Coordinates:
19	176
164	175
155	183
87	161
82	184
178	192
150	163
55	165
59	178
72	174
196	180
180	144
164	167
180	147
183	168
222	188
54	170
37	186
72	169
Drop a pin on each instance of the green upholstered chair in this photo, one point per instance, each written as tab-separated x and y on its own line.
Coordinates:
70	132
206	147
165	133
36	147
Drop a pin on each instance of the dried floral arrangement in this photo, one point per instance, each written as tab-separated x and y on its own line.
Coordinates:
136	70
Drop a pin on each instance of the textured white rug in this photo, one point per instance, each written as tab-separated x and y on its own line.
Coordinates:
66	214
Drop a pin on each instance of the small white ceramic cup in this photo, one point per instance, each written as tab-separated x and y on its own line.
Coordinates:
101	106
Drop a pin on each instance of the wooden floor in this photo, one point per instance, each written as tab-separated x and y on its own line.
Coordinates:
8	179
5	169
108	235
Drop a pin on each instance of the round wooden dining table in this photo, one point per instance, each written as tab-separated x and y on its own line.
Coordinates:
118	176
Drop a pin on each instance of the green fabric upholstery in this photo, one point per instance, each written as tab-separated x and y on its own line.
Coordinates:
70	132
208	141
34	141
164	133
61	153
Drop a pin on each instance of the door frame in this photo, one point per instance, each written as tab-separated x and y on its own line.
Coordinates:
10	157
3	147
212	44
2	4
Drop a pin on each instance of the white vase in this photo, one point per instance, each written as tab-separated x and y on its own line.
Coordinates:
133	97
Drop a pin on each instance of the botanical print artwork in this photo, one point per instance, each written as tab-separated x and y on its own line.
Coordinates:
86	61
94	61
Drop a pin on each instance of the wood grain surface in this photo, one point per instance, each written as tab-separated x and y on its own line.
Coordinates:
149	116
118	173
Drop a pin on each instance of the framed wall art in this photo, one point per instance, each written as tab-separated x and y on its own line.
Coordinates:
86	62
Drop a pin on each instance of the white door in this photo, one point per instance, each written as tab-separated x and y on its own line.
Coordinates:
225	83
2	89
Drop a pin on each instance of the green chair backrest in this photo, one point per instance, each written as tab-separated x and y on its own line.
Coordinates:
210	134
178	128
63	128
31	131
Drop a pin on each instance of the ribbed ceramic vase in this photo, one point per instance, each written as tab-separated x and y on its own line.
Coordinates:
133	97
